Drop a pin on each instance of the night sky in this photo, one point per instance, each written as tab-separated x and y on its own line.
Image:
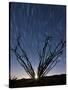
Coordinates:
34	22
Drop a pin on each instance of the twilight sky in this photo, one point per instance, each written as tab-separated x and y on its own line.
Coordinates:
34	22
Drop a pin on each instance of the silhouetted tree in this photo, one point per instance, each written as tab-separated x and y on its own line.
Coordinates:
47	58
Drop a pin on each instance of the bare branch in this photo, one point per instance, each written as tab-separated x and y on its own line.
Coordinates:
23	59
47	63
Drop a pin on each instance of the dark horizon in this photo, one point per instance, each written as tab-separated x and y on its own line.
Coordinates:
37	78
